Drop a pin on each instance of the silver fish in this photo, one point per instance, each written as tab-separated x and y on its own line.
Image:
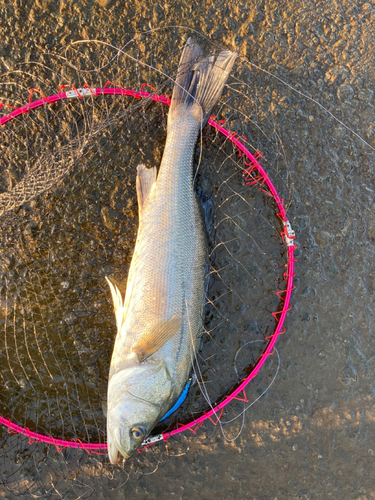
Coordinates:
159	322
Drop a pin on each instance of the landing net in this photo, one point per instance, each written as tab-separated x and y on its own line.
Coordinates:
69	218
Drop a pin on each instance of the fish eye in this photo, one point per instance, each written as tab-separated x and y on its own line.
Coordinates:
138	432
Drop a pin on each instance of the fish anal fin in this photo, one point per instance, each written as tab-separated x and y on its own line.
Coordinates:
118	303
146	178
157	337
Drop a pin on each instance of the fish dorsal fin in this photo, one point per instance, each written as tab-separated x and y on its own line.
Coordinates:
146	178
118	303
157	337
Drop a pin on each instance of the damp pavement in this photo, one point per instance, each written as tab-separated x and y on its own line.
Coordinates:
312	435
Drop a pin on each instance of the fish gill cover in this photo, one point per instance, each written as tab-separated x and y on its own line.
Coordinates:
69	219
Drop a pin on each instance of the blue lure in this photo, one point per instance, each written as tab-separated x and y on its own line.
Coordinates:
179	402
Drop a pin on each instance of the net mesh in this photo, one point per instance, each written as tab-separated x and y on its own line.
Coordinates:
69	218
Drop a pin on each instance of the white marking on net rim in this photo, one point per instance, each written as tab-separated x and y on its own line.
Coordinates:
152	439
290	235
81	92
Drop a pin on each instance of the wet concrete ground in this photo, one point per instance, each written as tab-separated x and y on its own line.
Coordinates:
312	436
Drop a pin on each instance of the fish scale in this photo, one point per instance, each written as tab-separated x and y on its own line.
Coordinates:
170	256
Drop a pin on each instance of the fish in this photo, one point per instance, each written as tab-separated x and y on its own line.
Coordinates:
159	321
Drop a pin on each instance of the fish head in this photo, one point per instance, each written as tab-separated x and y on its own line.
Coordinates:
137	399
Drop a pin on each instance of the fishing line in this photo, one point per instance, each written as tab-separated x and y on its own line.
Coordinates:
249	406
264	392
312	100
241	58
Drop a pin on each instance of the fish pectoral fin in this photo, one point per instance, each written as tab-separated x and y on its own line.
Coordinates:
146	178
118	303
155	339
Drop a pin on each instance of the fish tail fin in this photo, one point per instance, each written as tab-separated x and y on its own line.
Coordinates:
200	81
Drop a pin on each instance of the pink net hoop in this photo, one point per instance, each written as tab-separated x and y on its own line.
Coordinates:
254	174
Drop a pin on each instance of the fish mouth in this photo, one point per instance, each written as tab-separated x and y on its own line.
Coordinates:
114	446
112	449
